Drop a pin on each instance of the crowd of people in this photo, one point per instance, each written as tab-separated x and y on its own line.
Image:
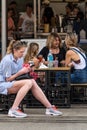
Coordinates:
11	66
20	22
74	18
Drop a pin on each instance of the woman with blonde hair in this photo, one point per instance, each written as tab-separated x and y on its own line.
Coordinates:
76	58
32	57
54	44
31	54
11	68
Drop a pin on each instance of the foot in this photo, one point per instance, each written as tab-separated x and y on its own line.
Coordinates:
16	113
53	111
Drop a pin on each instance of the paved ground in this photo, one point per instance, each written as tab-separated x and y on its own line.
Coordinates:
74	118
43	126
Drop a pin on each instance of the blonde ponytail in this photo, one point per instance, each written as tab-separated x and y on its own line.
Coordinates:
15	45
10	47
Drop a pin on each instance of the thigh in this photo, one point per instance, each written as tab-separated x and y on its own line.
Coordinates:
18	84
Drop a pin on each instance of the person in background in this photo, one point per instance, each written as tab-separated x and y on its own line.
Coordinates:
11	25
13	5
54	44
69	10
79	23
32	56
48	13
11	66
76	57
76	10
26	20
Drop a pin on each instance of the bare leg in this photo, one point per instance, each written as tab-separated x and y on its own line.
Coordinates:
22	86
39	95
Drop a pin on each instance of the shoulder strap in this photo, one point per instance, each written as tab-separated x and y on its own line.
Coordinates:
80	53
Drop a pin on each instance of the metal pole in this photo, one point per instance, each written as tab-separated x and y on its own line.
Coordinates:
3	32
34	18
38	13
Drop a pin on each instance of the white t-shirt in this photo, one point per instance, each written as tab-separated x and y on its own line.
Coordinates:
28	23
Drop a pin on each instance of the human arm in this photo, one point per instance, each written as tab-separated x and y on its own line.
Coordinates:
11	25
44	52
68	58
74	57
20	22
20	72
36	62
11	68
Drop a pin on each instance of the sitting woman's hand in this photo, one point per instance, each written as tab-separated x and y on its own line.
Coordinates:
62	63
24	70
70	64
36	62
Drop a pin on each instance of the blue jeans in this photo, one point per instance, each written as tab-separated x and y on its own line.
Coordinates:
61	78
79	76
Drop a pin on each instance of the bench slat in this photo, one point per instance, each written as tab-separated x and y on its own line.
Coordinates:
79	84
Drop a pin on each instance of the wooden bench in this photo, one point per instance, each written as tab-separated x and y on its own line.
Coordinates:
78	93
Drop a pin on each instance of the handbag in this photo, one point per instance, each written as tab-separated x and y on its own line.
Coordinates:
24	76
29	75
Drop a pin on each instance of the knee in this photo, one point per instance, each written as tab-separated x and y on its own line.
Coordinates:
33	80
34	83
29	82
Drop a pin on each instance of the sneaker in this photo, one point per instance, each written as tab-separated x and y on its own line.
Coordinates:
16	113
53	111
